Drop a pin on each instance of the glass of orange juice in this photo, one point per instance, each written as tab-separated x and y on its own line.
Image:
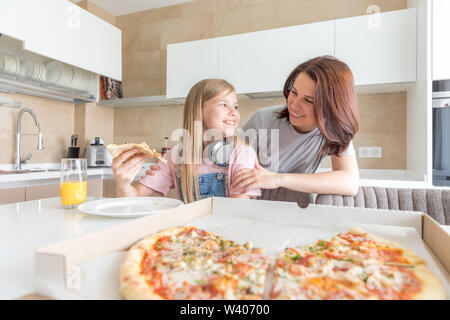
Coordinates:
73	182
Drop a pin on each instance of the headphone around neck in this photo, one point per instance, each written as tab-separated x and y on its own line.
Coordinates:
219	151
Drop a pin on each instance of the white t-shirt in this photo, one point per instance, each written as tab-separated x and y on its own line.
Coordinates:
285	150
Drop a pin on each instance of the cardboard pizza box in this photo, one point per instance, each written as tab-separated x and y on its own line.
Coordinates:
87	267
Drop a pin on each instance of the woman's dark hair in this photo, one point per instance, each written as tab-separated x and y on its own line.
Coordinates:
335	102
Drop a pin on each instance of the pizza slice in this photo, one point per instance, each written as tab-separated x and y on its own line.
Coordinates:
359	245
190	263
117	149
354	265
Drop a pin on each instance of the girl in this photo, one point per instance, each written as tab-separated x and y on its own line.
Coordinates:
211	105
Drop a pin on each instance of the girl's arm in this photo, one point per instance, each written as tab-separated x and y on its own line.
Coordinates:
343	179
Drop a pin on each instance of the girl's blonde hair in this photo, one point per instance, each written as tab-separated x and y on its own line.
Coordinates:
192	146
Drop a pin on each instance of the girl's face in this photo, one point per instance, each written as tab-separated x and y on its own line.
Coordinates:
221	113
300	103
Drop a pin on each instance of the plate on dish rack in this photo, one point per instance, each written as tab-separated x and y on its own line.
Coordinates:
128	207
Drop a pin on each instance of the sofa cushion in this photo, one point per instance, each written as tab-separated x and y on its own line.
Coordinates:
434	202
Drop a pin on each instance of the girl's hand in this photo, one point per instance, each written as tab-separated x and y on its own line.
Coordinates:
258	178
150	171
126	166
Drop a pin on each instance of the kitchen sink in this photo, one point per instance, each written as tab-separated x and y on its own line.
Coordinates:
27	171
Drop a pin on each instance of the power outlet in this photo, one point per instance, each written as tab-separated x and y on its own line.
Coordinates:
375	152
370	152
364	152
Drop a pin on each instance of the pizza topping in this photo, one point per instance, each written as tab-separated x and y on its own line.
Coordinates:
195	258
195	264
349	266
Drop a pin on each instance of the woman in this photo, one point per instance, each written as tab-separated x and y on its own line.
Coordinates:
320	119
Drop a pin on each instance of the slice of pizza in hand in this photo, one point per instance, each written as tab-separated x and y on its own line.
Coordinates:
117	149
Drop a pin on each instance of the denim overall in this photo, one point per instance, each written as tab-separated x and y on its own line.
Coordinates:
209	184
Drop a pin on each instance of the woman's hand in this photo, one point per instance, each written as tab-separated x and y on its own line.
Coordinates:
258	178
126	166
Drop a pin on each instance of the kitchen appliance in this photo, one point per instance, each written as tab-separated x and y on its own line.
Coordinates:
74	151
441	133
97	155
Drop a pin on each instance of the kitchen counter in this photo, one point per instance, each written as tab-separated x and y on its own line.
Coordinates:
379	178
26	226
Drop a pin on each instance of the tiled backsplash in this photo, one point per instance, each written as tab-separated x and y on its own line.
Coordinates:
382	124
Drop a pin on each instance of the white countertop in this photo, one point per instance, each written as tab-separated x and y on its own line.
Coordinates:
26	226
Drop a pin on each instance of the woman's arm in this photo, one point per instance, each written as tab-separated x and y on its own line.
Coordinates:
343	179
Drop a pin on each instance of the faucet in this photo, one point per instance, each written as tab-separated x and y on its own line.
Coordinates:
19	161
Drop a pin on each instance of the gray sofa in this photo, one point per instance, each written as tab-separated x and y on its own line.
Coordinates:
434	202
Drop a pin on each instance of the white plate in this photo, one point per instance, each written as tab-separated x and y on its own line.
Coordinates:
54	72
128	207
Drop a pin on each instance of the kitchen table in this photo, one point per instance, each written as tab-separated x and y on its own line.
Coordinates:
26	226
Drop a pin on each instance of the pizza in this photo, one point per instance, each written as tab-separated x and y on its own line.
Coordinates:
190	263
353	265
117	149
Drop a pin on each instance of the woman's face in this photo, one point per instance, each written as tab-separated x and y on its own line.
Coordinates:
300	103
221	113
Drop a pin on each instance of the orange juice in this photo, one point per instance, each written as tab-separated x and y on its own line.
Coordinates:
73	192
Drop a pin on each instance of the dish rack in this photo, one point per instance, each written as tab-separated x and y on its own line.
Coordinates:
12	83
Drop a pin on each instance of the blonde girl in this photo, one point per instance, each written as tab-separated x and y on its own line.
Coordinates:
211	107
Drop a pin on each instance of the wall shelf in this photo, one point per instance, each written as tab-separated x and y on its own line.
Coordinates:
146	101
12	86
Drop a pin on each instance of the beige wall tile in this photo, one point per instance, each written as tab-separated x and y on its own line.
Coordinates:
8	143
56	120
244	16
99	123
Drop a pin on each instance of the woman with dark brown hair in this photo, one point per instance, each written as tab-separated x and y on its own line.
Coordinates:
319	119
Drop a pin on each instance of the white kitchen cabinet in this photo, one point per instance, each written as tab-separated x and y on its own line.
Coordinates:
188	63
261	61
380	48
61	30
441	42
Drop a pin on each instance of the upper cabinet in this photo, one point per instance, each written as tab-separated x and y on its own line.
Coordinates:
441	43
188	63
379	48
61	30
262	61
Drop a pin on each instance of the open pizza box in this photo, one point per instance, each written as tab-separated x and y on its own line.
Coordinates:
88	267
